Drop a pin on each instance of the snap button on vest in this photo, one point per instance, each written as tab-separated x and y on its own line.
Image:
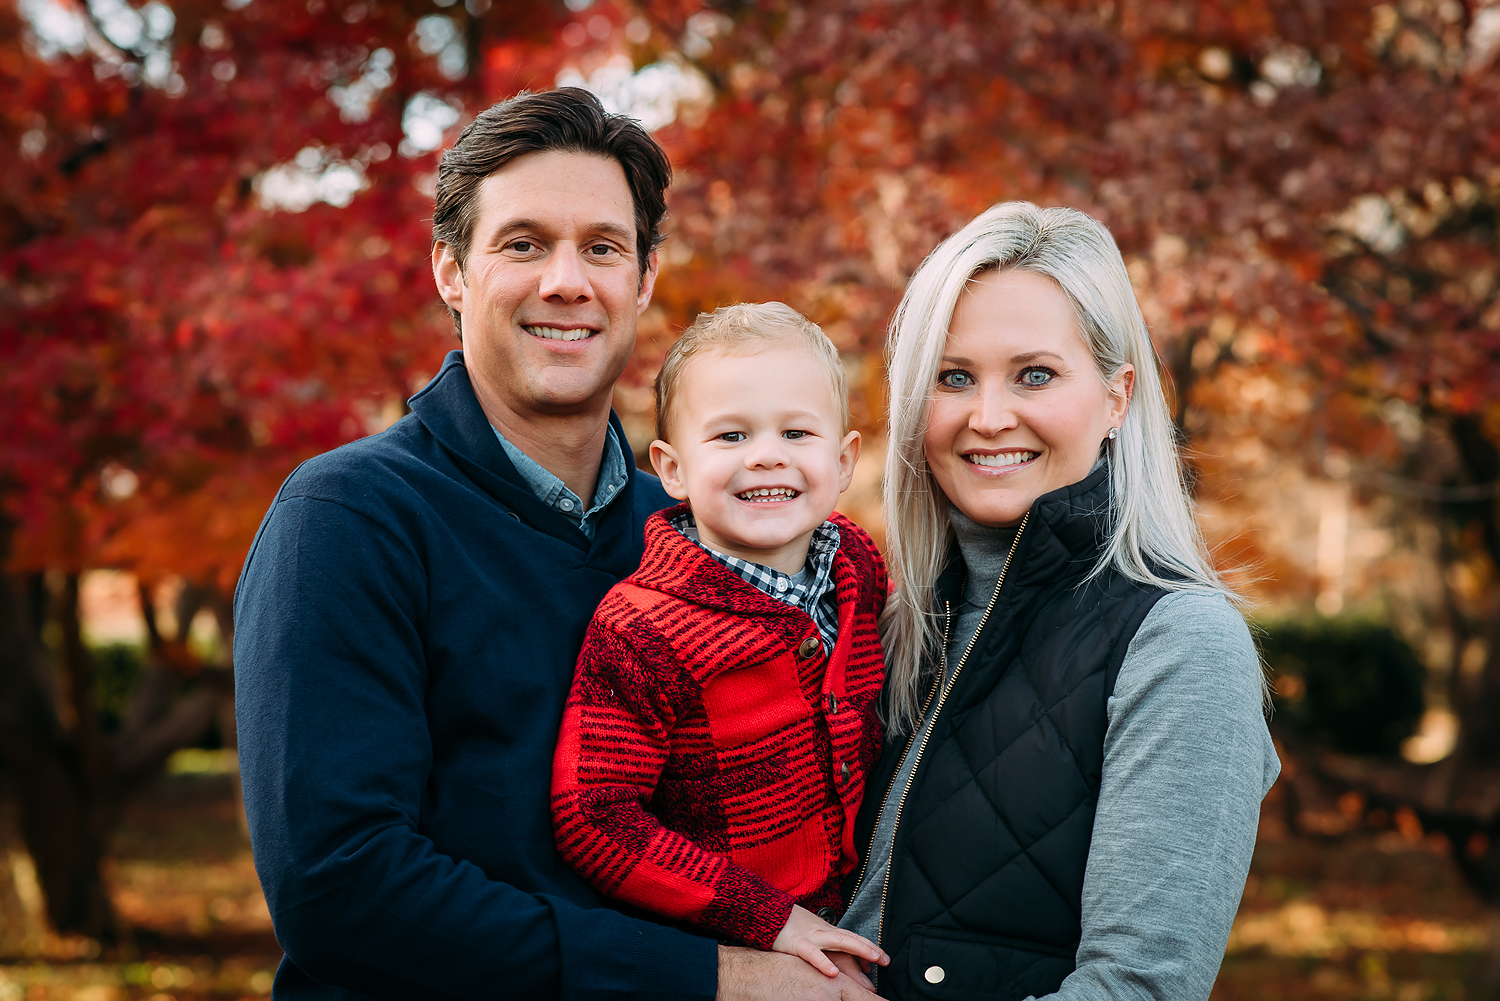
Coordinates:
934	974
808	647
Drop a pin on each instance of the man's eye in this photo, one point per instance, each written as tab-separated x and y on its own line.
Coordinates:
794	434
521	246
601	249
732	436
1037	376
955	378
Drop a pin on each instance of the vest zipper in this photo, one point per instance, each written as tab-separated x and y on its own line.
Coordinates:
901	803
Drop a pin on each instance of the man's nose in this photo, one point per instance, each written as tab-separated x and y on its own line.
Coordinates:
564	278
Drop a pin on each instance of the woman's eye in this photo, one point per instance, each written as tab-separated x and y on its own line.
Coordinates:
1037	376
732	436
955	379
794	434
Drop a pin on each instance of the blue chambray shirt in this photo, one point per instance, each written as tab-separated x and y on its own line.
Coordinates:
613	475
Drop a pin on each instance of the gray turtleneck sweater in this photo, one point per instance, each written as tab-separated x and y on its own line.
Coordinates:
1187	760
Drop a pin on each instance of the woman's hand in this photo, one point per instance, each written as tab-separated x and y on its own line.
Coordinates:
808	936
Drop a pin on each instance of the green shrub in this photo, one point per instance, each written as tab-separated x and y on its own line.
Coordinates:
1350	683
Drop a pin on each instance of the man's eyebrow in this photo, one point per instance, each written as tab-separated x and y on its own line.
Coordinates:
610	229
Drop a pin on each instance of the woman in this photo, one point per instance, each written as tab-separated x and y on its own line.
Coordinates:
1067	802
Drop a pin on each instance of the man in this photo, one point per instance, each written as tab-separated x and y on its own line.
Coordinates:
412	607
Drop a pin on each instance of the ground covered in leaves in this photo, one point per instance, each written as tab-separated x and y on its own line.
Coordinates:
1369	916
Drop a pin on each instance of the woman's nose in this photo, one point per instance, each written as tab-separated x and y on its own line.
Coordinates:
993	412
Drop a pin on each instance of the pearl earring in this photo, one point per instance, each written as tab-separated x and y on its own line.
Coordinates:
1114	433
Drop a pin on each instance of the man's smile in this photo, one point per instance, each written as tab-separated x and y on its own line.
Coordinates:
560	333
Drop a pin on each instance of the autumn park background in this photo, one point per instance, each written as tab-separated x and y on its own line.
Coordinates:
213	264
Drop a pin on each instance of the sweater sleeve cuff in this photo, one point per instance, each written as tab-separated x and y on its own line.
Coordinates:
753	912
671	965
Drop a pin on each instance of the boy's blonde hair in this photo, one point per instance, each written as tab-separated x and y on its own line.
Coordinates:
752	325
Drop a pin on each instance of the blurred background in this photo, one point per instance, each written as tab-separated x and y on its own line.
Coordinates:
214	235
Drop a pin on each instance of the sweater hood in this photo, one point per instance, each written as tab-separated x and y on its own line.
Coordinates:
676	565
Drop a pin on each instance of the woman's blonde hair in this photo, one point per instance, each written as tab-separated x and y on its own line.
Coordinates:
1152	535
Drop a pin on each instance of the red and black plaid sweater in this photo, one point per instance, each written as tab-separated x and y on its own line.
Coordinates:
712	754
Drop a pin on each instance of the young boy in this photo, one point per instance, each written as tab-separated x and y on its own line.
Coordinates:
714	746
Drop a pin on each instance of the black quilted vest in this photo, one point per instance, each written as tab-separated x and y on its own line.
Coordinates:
986	873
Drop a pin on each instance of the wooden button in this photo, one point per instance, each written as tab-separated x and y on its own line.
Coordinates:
934	974
808	647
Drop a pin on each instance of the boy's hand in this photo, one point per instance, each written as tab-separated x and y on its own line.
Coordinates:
807	935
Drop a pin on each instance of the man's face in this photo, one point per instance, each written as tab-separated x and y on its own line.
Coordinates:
552	287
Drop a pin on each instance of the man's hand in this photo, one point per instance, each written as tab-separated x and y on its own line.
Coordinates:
752	975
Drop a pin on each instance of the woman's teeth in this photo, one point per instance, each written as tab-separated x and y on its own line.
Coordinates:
765	494
1003	459
557	334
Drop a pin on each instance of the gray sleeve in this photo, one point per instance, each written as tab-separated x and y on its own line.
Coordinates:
1187	760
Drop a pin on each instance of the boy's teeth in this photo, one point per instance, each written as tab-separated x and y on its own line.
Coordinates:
1003	459
767	494
555	334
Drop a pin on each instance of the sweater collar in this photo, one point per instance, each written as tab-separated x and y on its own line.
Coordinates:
1064	534
450	411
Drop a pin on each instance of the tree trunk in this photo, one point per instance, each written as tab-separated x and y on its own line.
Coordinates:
59	824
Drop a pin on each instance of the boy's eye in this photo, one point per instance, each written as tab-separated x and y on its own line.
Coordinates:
955	378
794	434
1037	376
732	436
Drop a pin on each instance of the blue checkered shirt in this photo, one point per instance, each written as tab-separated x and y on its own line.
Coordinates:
811	589
553	492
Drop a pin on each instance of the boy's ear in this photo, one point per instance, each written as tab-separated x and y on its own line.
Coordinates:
848	456
664	461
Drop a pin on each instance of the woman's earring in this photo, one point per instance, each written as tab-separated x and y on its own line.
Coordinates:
1114	433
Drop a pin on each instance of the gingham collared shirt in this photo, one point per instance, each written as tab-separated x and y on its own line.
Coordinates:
811	589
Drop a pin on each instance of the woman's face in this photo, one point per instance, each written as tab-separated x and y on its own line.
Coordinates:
1018	409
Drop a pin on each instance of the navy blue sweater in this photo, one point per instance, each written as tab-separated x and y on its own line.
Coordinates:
406	628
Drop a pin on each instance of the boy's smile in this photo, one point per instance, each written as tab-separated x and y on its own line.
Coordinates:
758	449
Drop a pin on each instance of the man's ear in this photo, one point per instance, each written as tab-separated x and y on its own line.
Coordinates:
448	275
648	283
664	461
848	456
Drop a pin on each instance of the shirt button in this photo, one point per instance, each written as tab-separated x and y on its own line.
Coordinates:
611	489
833	703
934	974
808	647
782	584
844	770
565	504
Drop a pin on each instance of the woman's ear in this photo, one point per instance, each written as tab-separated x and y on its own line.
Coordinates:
664	461
1120	389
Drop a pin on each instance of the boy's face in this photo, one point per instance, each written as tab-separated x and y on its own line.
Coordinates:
757	447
